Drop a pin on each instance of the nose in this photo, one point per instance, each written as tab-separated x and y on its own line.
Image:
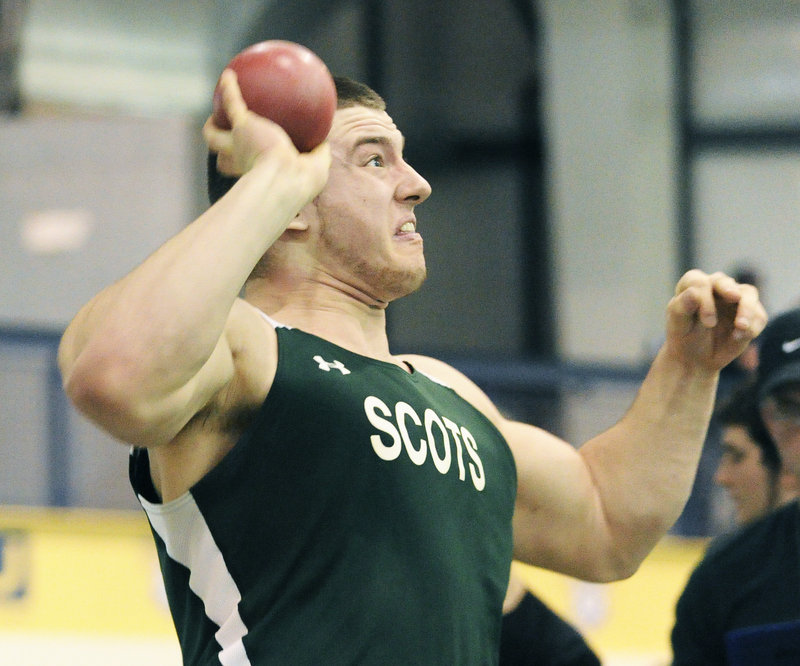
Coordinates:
722	476
412	188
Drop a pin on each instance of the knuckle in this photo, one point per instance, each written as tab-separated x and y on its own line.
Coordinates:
690	278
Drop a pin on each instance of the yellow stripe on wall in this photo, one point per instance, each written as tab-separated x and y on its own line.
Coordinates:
96	572
80	571
633	616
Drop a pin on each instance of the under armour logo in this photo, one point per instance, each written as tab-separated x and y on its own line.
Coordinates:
332	365
791	346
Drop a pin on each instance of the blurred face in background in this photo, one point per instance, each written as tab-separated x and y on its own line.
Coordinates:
752	486
781	413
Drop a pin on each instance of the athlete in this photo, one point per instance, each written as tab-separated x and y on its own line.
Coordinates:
315	498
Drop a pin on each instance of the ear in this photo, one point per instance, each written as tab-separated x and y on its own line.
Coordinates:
298	224
305	215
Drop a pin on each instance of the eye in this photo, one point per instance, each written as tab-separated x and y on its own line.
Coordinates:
732	456
375	160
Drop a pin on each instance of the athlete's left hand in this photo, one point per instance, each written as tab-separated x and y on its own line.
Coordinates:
712	319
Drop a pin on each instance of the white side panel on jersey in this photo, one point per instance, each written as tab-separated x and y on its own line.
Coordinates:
189	541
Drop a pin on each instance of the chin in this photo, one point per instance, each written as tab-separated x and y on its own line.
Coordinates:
406	283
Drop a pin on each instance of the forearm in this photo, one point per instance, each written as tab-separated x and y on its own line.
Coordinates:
644	466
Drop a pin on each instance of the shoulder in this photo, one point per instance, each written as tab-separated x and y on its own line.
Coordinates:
253	346
731	581
456	380
763	531
752	542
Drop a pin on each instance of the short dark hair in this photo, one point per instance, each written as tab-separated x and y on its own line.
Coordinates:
349	92
741	408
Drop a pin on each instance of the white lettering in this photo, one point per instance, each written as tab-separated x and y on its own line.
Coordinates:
396	425
371	404
403	410
443	463
476	466
455	431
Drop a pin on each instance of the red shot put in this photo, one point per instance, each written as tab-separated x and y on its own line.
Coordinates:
287	83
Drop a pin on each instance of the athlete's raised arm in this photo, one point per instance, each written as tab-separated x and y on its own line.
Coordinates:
148	352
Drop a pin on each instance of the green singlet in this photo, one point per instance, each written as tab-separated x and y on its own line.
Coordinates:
362	518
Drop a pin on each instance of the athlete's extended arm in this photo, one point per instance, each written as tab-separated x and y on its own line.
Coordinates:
151	350
595	512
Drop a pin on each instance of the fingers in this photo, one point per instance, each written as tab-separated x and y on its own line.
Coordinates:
703	298
247	137
322	155
219	138
252	139
320	158
694	298
751	317
232	101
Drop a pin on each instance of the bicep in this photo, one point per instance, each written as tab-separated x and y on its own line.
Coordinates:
558	519
235	374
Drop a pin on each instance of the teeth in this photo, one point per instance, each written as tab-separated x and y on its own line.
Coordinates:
408	226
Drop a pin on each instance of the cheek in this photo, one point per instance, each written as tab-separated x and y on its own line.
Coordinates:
758	480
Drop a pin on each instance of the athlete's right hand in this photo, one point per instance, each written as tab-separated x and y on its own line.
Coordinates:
253	139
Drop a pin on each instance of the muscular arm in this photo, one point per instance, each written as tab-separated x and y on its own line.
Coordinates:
619	492
596	511
151	350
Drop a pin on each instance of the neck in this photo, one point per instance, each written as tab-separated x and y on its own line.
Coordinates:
342	316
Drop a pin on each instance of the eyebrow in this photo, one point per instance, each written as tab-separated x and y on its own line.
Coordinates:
378	140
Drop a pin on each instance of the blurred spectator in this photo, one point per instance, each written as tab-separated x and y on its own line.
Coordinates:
533	635
747	584
750	465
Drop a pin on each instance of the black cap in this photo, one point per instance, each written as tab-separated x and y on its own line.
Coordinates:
779	353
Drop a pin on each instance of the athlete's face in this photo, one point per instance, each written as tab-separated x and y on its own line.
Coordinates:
367	226
742	473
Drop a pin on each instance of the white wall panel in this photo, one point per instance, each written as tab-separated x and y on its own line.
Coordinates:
747	210
82	201
611	137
